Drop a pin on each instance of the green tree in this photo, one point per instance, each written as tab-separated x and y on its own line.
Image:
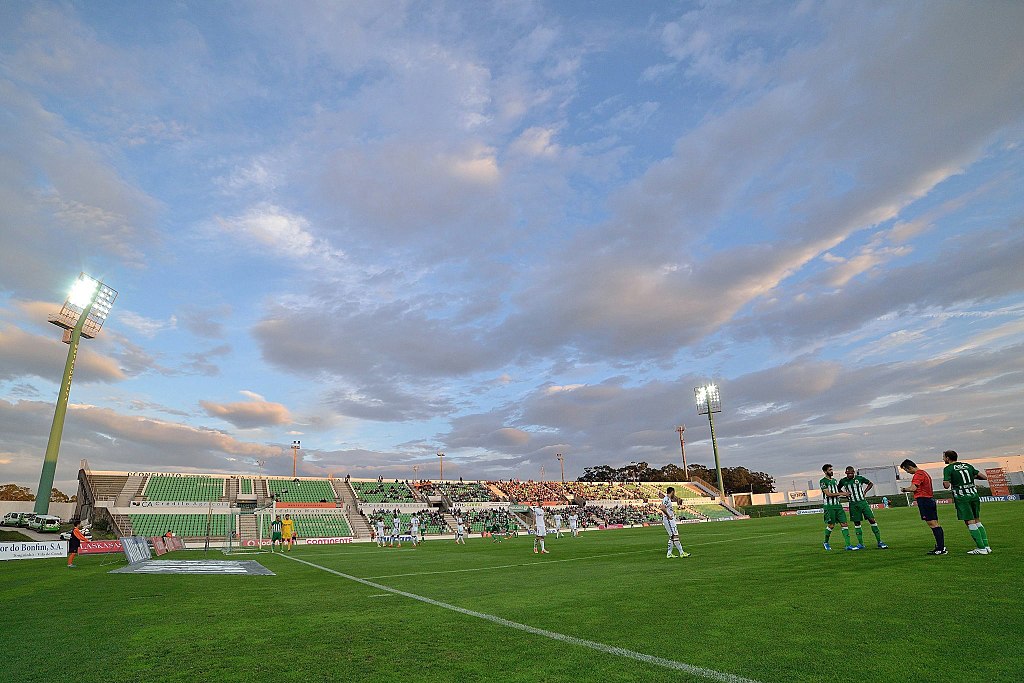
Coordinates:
58	496
15	492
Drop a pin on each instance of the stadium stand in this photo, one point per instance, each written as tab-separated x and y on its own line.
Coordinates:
596	490
182	525
323	525
478	521
303	491
527	491
383	492
160	487
246	487
431	521
458	492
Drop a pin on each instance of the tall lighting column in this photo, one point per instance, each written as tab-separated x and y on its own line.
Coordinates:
709	402
682	449
296	445
561	462
441	455
82	315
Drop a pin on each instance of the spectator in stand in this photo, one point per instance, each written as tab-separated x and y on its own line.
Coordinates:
75	542
169	534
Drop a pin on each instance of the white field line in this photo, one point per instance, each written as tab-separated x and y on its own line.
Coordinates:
570	559
691	669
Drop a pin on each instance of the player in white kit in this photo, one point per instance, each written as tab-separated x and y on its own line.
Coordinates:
396	531
558	525
540	531
460	530
380	533
414	530
574	522
668	518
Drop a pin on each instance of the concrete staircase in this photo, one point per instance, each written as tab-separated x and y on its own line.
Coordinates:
132	488
347	498
248	528
231	490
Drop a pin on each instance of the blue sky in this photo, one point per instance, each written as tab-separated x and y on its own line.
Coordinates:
509	230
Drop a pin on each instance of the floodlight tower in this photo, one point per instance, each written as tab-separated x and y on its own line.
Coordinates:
82	315
561	462
296	445
441	455
709	402
682	449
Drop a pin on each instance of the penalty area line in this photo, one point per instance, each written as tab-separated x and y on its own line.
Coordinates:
710	674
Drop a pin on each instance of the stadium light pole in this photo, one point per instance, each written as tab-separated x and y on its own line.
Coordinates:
709	402
561	462
682	449
296	445
441	455
82	315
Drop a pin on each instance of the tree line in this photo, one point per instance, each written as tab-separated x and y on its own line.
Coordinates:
735	479
15	492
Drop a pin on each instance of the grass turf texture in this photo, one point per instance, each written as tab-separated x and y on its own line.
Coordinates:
759	599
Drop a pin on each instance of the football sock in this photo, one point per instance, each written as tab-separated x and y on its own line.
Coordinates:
542	545
976	535
984	534
679	547
670	546
876	532
860	535
71	558
828	533
846	535
940	539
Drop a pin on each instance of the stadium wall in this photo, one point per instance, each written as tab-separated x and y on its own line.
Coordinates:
63	510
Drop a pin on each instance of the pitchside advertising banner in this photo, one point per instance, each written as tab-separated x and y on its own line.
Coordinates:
179	504
819	511
983	499
32	550
252	543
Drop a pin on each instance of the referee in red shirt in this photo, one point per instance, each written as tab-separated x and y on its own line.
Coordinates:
921	487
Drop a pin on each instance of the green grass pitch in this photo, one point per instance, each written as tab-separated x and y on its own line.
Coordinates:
758	599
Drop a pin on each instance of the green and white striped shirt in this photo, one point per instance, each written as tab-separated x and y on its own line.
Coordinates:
855	486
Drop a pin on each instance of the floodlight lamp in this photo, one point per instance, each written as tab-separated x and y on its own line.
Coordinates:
83	291
708	399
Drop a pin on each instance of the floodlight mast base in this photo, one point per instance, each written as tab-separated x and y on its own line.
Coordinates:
42	505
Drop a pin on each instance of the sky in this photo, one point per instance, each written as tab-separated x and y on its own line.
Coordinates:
506	230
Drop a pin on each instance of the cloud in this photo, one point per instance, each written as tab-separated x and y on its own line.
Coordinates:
250	414
28	355
147	327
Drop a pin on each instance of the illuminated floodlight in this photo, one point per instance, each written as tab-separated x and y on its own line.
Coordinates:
709	402
82	315
708	399
87	293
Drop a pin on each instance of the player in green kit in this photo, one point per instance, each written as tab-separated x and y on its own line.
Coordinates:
834	512
857	487
960	477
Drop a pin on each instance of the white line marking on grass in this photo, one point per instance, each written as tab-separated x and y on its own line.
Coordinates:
569	559
691	669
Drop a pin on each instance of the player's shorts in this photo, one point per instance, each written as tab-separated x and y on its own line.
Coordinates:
541	530
967	508
835	515
276	536
929	511
671	526
859	509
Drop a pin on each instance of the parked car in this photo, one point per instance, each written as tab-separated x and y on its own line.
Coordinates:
14	519
48	523
30	522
